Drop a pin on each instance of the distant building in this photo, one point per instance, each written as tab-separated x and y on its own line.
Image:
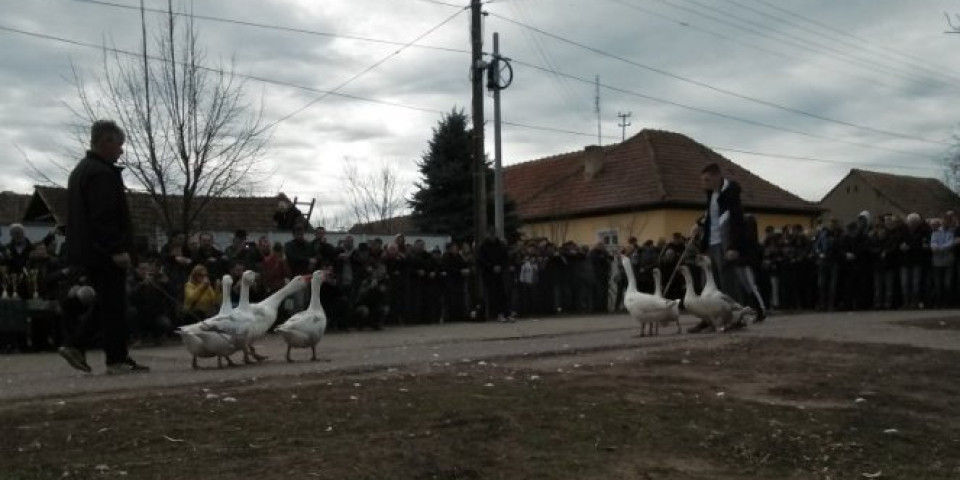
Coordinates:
221	217
882	193
388	228
12	207
647	186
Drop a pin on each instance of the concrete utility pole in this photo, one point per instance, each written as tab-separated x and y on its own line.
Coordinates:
624	124
499	77
477	68
596	108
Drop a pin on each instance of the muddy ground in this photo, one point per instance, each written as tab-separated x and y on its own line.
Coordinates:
753	408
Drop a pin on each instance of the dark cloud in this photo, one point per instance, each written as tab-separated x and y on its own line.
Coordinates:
910	95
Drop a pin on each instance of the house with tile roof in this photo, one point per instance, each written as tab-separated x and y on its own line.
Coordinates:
647	186
883	193
222	216
12	206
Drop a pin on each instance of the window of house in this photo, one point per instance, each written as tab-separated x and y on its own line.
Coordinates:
609	237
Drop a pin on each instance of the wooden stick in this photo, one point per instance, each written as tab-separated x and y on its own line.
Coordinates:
683	255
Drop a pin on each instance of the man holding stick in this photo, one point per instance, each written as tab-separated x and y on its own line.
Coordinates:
721	230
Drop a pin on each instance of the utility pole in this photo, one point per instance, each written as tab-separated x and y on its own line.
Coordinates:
499	77
596	108
624	124
477	68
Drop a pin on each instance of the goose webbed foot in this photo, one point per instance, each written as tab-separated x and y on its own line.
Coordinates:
289	360
194	363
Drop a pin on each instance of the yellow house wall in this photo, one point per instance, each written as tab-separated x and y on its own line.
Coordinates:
648	225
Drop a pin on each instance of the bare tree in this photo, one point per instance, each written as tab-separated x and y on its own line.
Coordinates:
192	136
333	221
954	25
373	197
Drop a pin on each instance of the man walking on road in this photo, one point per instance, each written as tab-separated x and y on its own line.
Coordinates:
99	241
722	230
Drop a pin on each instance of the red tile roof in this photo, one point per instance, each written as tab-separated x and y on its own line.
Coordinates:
402	224
927	196
651	169
221	214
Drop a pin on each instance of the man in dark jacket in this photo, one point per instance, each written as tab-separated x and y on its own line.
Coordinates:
100	236
722	230
722	225
494	258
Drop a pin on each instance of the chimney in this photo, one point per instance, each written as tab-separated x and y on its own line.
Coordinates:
592	161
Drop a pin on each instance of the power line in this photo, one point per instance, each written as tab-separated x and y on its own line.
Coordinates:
395	104
840	32
445	4
724	91
819	160
794	40
715	113
282	28
776	53
366	70
839	39
271	81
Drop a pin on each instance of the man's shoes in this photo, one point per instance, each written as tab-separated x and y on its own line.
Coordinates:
737	325
75	358
700	327
126	366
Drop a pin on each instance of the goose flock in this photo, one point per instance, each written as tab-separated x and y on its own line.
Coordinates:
236	329
711	306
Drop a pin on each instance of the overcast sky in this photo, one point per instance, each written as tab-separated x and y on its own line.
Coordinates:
884	66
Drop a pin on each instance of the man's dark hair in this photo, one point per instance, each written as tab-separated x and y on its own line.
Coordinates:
105	128
240	233
712	169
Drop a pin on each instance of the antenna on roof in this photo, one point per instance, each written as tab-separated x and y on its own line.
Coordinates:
596	108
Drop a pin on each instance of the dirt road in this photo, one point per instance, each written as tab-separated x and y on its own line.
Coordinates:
30	376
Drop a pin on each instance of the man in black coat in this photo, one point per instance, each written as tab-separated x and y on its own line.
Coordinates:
494	258
722	231
722	226
100	234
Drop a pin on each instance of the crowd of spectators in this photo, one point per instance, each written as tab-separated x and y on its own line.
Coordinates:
870	263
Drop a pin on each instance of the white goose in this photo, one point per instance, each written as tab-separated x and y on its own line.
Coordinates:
673	314
305	329
732	311
251	323
643	307
235	324
697	305
203	344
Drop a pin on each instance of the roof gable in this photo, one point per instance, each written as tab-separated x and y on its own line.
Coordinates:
653	168
220	214
12	207
927	196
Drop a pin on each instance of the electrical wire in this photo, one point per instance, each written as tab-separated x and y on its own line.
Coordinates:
793	40
365	70
838	39
57	39
282	28
716	89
